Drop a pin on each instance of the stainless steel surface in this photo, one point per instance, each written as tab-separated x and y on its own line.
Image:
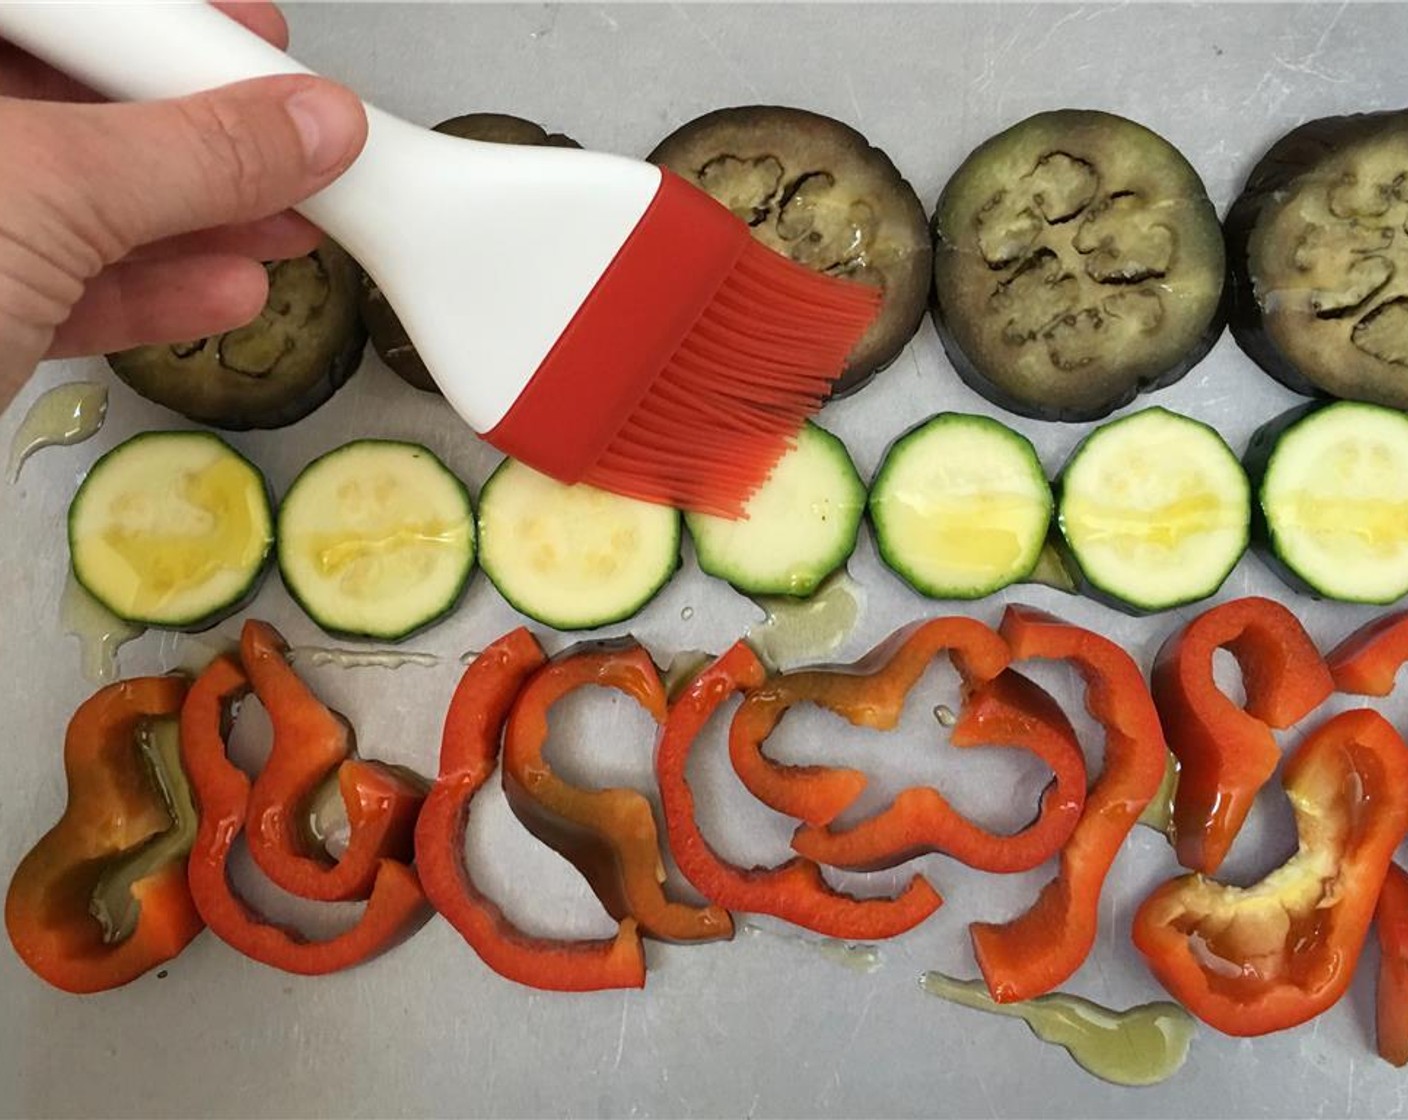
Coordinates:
765	1025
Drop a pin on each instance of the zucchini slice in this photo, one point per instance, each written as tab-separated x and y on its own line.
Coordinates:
1317	247
1332	500
815	190
573	557
796	529
376	539
960	507
393	345
171	529
1078	262
300	350
1155	510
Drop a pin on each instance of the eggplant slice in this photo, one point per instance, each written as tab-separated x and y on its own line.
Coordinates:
274	371
815	190
389	338
1078	262
1318	244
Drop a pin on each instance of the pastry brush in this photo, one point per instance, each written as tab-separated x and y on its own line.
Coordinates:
593	316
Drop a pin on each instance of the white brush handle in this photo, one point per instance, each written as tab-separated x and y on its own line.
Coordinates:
460	235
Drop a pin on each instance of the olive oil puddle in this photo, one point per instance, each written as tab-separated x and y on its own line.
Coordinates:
100	633
855	956
65	415
796	631
317	656
1141	1046
1158	814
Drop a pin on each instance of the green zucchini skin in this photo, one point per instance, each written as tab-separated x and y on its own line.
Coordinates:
197	623
388	336
1091	588
1108	147
198	380
1288	166
887	243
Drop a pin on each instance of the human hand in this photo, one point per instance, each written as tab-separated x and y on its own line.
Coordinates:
125	224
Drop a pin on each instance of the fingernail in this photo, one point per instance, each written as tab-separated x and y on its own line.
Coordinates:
328	124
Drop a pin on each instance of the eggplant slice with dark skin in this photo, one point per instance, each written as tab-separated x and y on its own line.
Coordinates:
274	371
1318	248
393	345
815	190
1078	263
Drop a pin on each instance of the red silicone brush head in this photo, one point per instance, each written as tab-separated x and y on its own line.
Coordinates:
690	368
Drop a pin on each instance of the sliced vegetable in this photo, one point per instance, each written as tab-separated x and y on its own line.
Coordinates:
1331	494
274	371
1367	662
1078	262
469	752
870	693
793	891
608	834
797	529
1252	960
310	744
393	345
1315	243
573	557
1226	752
1155	510
1036	952
376	539
816	191
960	507
1009	711
395	909
171	529
102	898
1391	918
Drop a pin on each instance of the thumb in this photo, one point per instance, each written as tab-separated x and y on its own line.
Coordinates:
129	174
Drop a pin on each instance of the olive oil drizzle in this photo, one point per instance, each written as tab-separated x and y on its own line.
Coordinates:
799	630
99	632
65	415
1140	1046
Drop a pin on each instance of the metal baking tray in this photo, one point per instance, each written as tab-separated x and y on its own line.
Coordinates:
766	1025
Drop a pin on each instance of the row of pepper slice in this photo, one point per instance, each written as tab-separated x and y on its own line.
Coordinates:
1247	961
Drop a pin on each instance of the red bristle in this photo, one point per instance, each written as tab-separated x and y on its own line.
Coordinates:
758	362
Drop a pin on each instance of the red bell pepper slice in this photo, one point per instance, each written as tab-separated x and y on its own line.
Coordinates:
469	752
1009	710
310	741
1252	960
1367	661
870	693
1039	950
794	891
608	834
1391	918
113	807
1227	753
394	911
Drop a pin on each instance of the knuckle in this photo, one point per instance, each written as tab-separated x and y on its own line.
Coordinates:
234	162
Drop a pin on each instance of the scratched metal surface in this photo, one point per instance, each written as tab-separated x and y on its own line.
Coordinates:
767	1025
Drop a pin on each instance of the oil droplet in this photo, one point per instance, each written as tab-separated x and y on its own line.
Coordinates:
800	630
852	955
193	652
360	658
682	669
687	613
1142	1046
65	415
945	715
1052	570
1158	814
469	655
327	822
98	630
